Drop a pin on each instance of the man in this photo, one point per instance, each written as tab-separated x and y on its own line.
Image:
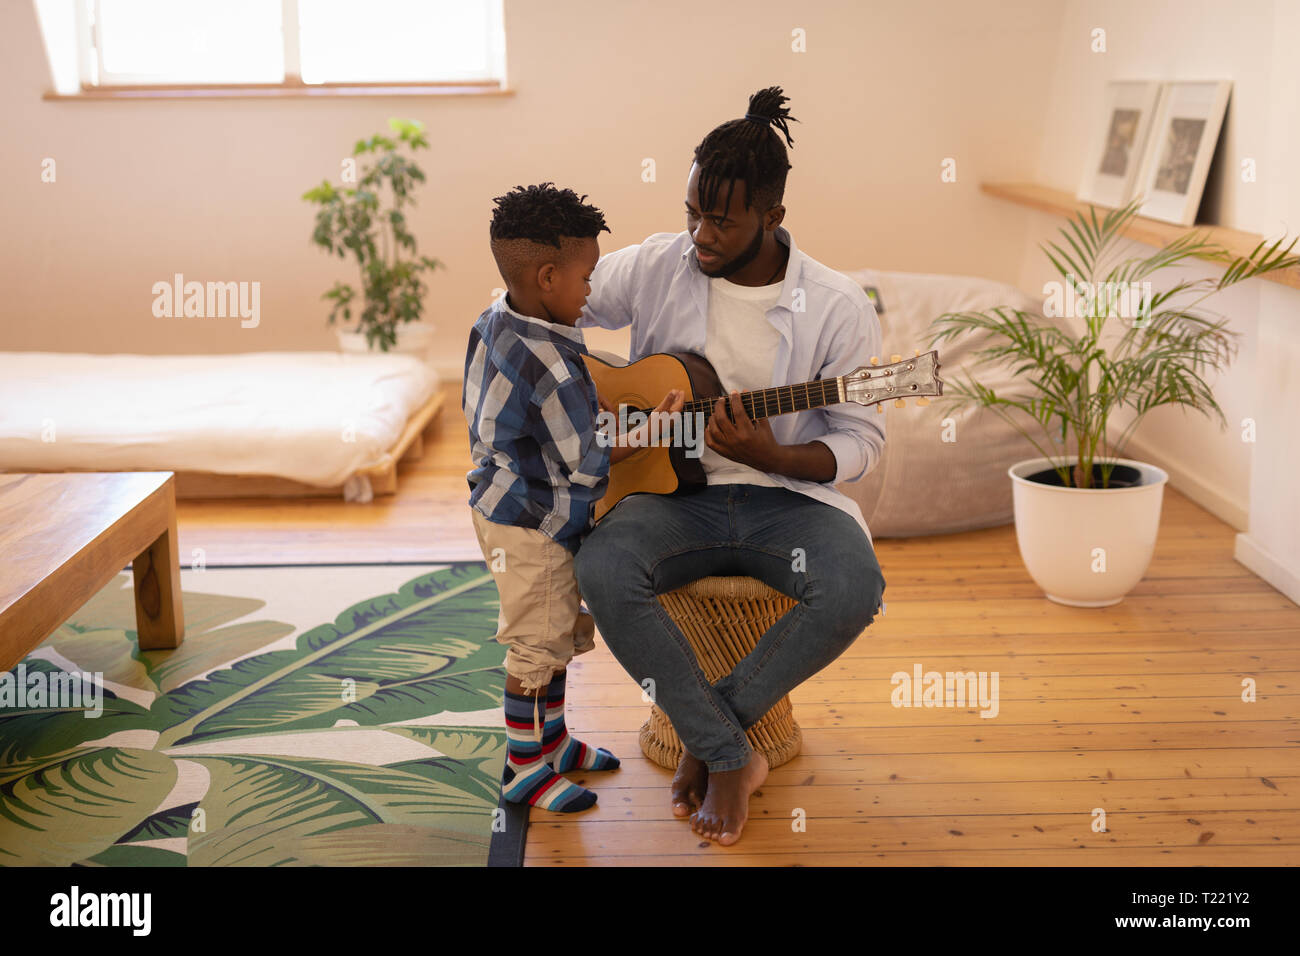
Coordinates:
735	288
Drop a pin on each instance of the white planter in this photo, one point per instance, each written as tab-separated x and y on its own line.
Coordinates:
1086	547
413	338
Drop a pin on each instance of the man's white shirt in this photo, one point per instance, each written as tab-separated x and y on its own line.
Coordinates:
741	346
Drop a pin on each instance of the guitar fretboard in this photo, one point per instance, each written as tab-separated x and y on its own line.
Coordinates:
782	400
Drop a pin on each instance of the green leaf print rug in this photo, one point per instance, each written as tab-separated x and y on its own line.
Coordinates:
331	716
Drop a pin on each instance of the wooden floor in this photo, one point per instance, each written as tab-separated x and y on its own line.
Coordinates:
1134	711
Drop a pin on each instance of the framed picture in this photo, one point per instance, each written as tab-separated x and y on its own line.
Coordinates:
1119	145
1183	138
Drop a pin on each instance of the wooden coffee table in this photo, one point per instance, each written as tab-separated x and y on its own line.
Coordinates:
64	536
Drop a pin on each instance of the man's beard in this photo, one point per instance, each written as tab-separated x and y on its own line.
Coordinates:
738	263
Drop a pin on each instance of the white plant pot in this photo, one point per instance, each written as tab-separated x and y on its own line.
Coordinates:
1086	547
413	338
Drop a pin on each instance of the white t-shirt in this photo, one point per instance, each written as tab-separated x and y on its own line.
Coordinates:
741	346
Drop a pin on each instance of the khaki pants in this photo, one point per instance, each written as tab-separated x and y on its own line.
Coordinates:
541	622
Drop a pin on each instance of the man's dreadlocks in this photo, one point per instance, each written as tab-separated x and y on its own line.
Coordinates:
746	150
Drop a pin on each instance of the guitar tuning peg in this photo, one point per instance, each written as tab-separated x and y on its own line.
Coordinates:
880	409
875	360
916	353
896	357
923	401
899	403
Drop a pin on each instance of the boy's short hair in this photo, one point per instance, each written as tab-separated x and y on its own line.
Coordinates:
534	225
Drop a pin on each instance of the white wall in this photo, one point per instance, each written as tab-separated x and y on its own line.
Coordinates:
1271	546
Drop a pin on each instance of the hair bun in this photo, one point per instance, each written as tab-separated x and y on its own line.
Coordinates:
767	107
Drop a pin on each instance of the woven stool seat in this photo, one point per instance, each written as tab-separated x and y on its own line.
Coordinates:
723	619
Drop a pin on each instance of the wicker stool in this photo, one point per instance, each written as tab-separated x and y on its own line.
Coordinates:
723	619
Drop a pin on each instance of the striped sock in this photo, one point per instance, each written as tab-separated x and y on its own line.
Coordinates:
528	778
563	751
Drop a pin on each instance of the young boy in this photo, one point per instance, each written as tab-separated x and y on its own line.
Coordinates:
539	468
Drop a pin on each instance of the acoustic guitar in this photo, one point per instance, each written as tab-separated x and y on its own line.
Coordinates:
667	468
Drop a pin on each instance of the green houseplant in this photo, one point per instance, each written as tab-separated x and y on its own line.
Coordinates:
1102	507
368	221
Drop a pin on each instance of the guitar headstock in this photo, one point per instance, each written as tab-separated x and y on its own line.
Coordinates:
901	379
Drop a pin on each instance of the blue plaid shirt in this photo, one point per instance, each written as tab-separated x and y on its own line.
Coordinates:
531	407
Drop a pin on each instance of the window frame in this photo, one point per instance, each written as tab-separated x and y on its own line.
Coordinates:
130	86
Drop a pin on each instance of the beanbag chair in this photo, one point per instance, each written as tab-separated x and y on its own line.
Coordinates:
942	473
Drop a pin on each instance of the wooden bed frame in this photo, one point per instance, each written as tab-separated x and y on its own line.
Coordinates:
382	474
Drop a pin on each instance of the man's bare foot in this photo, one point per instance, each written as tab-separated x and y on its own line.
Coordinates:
726	805
689	785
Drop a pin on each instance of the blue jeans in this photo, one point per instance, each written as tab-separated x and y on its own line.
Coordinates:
650	544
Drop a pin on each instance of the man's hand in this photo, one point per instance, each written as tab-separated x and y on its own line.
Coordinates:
746	441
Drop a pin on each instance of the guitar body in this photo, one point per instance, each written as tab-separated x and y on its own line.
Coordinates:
642	385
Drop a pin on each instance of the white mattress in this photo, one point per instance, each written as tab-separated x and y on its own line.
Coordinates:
315	417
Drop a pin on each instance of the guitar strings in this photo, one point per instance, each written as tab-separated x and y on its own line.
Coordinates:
773	401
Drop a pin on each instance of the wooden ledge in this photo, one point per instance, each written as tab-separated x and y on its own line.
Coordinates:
1149	231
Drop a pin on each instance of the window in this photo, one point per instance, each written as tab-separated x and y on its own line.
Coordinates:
163	41
108	44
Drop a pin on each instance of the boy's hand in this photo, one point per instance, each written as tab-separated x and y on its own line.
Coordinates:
674	401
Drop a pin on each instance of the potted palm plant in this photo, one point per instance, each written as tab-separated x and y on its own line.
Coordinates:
1086	519
356	219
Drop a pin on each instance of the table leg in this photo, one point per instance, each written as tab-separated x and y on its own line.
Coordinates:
159	617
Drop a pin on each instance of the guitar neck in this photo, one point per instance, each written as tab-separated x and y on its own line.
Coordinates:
782	400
